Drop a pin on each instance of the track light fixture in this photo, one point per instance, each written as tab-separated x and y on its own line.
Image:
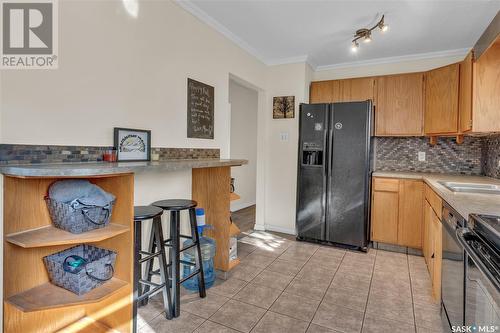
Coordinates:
366	34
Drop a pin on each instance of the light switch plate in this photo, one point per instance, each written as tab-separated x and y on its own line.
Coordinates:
421	156
284	136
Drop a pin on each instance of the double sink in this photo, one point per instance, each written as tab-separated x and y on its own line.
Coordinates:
471	187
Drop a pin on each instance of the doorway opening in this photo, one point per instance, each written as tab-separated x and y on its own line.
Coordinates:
244	101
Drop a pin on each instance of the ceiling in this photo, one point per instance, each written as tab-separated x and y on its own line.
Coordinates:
320	32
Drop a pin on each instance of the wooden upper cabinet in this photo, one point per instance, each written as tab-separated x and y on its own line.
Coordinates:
321	92
486	96
348	90
441	100
360	89
411	199
465	94
400	105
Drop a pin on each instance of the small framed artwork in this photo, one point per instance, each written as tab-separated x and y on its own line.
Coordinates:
132	145
284	107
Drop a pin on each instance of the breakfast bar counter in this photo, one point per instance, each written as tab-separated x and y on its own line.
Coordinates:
104	168
31	302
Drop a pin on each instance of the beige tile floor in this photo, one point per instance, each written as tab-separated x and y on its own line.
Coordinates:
287	286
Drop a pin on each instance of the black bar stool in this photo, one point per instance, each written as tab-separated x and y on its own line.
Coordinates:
155	250
175	206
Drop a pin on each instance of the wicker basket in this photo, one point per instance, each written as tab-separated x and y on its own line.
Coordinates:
98	269
78	220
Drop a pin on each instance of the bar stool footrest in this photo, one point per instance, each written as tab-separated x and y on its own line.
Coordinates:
189	276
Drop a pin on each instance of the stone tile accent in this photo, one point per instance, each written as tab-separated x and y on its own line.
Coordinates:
26	154
185	153
400	154
491	156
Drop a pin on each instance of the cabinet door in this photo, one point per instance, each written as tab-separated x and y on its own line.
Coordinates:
465	96
384	222
486	113
321	92
441	100
400	105
411	197
438	257
360	89
325	92
426	246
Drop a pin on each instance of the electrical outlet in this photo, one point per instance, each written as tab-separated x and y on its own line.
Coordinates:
421	156
284	136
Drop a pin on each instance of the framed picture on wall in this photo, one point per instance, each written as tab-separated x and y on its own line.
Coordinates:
132	145
284	107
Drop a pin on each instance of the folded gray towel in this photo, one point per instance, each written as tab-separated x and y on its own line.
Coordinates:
80	192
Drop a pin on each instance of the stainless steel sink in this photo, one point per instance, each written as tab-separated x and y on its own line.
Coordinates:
472	188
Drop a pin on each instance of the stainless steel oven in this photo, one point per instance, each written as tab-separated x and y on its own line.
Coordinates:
481	242
452	286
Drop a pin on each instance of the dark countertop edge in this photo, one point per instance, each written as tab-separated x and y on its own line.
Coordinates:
106	168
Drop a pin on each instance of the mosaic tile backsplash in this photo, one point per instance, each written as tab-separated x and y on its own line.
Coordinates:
401	154
491	156
25	154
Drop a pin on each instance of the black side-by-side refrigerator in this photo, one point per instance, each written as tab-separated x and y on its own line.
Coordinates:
334	173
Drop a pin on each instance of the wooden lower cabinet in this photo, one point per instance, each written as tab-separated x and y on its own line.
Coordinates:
437	258
426	232
432	247
397	212
411	197
385	212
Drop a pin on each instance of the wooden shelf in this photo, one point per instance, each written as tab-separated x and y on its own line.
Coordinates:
52	236
87	325
49	296
234	230
234	196
233	263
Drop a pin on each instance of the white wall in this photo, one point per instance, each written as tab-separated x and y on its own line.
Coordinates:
244	108
281	156
117	70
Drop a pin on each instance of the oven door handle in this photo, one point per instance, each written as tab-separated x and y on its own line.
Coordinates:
470	252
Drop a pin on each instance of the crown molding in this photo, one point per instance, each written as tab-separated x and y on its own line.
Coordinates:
288	60
389	60
194	10
191	8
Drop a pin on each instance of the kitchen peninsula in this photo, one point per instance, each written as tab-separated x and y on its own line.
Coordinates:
31	303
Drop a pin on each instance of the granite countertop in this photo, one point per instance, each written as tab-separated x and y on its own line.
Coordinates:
106	168
463	203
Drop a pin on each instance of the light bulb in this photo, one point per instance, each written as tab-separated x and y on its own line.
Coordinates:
354	47
367	39
385	28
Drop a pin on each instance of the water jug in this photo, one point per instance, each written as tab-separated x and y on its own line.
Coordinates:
207	245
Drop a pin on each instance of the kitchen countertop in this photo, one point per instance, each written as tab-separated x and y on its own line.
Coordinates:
463	203
106	168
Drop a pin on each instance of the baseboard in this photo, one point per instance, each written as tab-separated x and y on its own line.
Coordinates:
397	248
259	227
235	206
284	230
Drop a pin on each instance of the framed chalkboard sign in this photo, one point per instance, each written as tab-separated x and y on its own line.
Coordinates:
200	110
